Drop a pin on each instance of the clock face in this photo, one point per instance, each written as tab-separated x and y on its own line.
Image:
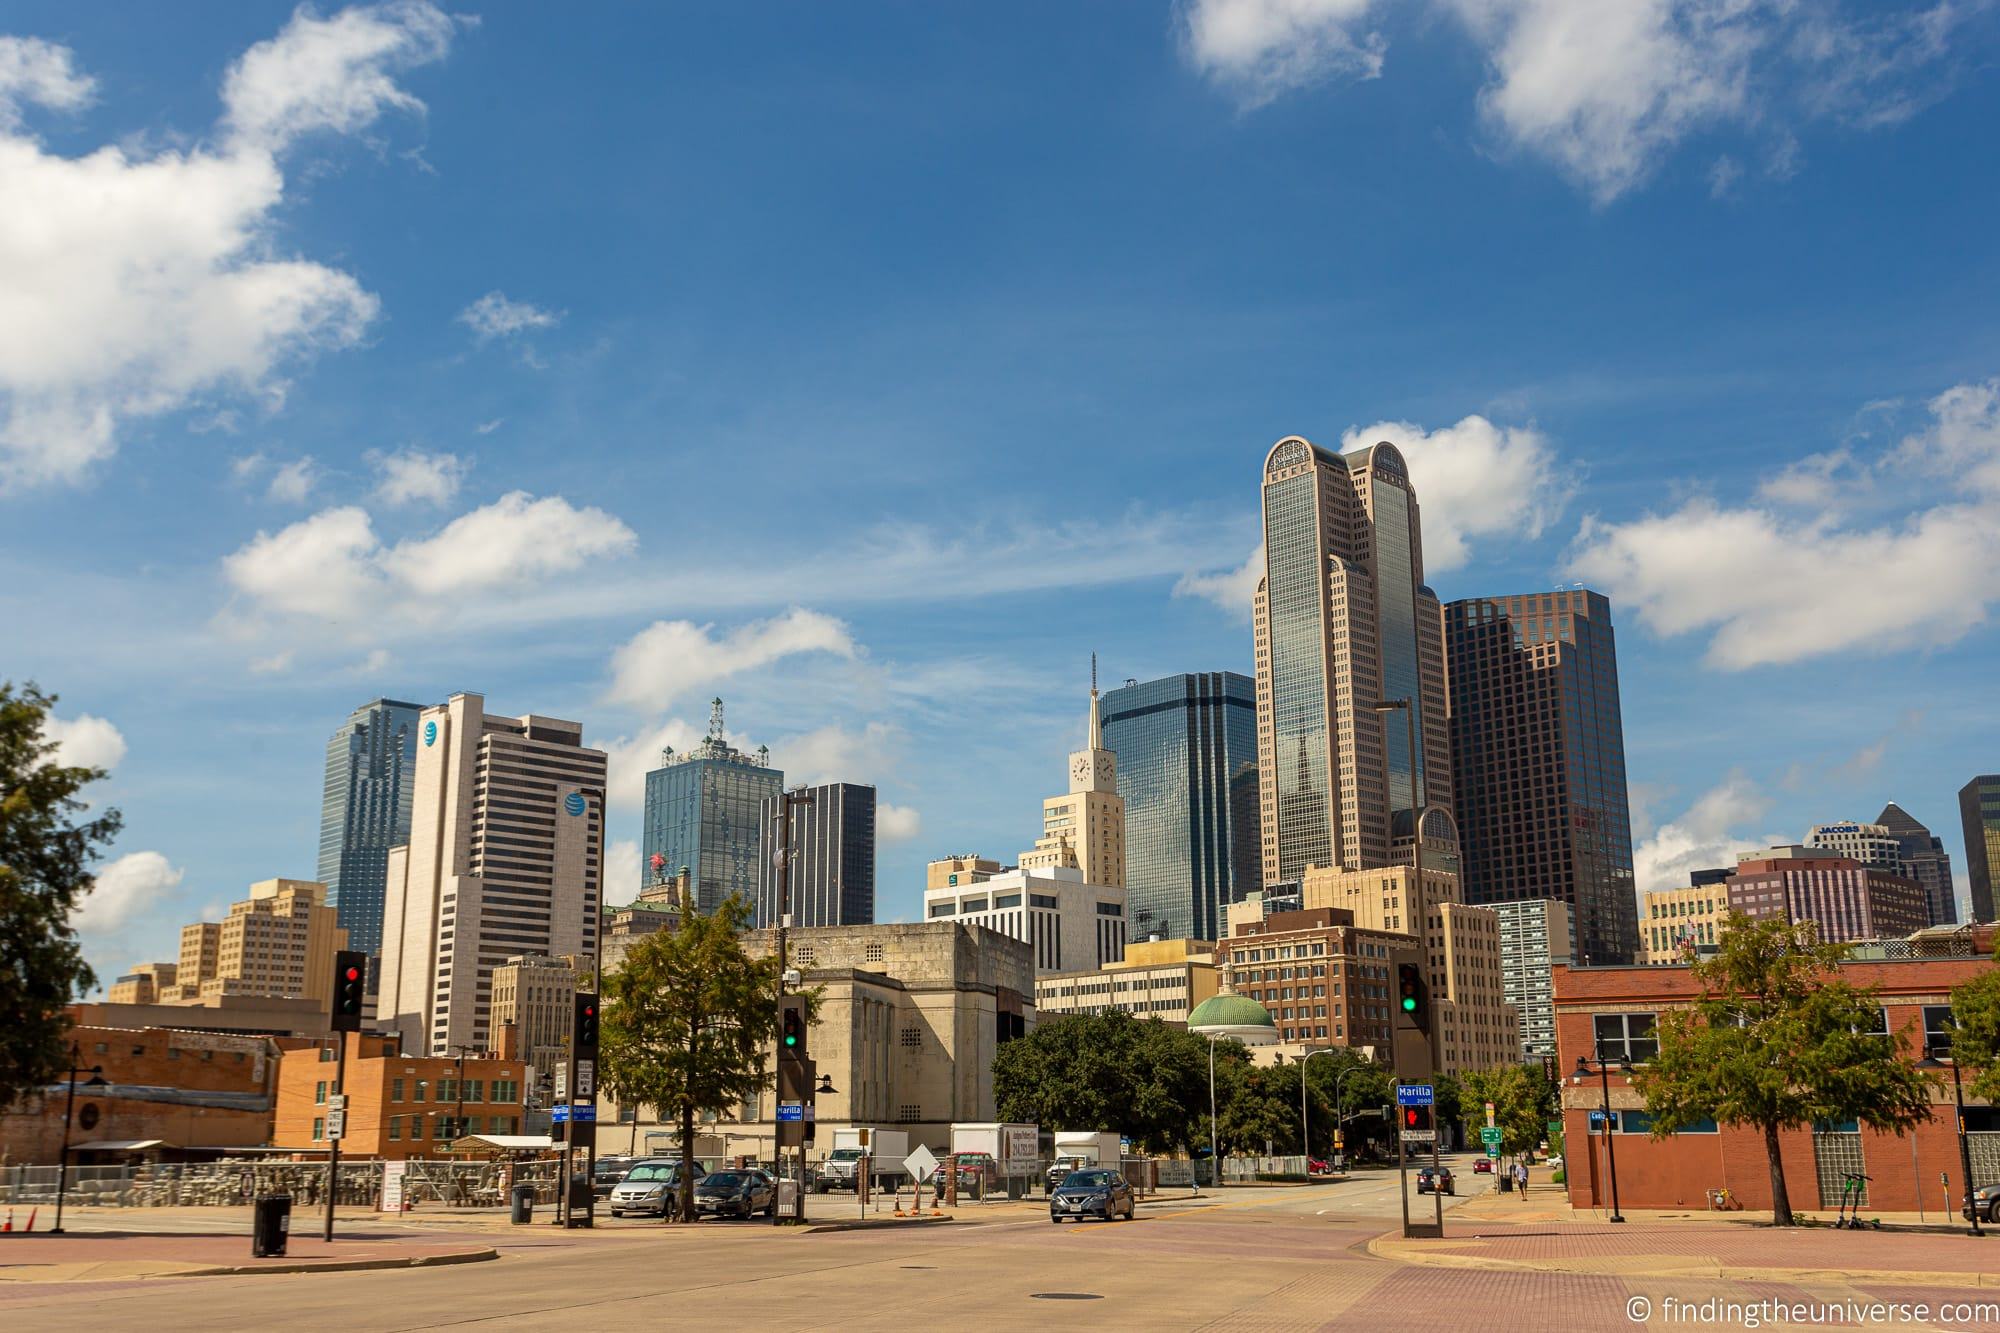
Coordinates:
1080	769
1104	767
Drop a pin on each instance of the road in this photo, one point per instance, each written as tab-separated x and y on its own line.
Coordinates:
1260	1257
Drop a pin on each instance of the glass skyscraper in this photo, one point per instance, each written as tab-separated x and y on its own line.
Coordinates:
1187	768
704	810
365	811
832	879
1979	813
1538	756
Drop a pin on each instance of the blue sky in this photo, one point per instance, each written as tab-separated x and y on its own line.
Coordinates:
871	366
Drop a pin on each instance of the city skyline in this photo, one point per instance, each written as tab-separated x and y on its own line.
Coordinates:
520	418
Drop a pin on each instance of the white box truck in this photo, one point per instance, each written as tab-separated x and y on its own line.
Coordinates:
1013	1148
1076	1150
885	1150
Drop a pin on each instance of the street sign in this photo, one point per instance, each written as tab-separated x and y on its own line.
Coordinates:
1493	1153
788	1111
586	1078
336	1124
1419	1136
336	1101
921	1163
562	1083
582	1115
1489	1115
1490	1136
1416	1094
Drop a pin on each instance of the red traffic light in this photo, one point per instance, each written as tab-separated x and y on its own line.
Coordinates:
1410	1116
354	974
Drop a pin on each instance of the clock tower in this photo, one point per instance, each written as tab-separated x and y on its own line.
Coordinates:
1085	829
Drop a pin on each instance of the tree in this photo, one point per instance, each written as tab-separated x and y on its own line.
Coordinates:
1975	1041
1777	1040
1109	1071
45	859
685	1024
1523	1102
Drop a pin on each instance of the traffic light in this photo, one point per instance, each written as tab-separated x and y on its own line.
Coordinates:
1416	1117
1411	996
350	989
583	1032
791	1027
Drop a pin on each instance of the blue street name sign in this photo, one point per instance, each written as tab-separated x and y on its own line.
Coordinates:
581	1114
791	1111
1416	1094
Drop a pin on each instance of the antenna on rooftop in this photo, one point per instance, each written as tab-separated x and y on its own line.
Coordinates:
715	719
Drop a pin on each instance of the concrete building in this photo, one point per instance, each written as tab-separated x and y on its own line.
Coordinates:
910	1018
1324	980
277	943
1847	900
1538	761
705	810
1163	979
147	983
536	997
171	1095
1473	1026
251	1015
832	876
1979	813
1534	936
951	872
1187	761
1870	844
1672	921
1067	921
1605	1013
1084	829
398	1106
1343	620
364	811
1925	861
504	858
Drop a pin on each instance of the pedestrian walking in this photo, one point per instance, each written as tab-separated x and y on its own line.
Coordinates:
1521	1178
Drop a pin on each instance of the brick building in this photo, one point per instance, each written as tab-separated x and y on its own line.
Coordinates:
1608	1012
181	1094
1846	899
398	1106
1324	980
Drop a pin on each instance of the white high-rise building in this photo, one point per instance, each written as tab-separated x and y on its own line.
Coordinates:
1070	923
1870	844
504	859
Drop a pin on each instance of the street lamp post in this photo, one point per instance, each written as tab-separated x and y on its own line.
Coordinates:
96	1080
1305	1121
1603	1072
1932	1061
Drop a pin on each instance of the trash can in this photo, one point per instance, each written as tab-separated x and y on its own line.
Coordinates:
579	1190
524	1205
1506	1182
270	1224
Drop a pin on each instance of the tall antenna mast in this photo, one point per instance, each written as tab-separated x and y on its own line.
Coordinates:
715	719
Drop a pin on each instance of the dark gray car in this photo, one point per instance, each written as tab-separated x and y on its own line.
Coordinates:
1093	1193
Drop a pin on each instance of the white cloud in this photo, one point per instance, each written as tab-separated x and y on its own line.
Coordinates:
1770	585
38	73
276	664
621	871
411	476
136	284
374	664
488	427
332	566
1474	480
331	73
671	658
85	741
1705	836
124	889
494	316
835	753
1264	48
1234	590
293	482
1723	175
897	823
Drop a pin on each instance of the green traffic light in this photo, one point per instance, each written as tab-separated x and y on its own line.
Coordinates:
1409	1004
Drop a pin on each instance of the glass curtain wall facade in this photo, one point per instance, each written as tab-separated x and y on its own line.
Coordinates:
1299	721
705	811
1187	761
1538	756
364	811
832	880
1979	812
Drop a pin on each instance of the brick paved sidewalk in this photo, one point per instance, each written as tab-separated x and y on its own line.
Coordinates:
100	1256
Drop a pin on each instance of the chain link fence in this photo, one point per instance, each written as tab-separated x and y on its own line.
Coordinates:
227	1182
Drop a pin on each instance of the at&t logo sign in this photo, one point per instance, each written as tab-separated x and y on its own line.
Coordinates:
430	733
574	803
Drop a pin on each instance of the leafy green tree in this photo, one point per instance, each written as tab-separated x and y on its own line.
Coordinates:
1778	1040
686	1022
1523	1102
1363	1087
1975	1044
45	858
1258	1104
1109	1071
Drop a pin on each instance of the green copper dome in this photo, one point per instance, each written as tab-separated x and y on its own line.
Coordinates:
1231	1016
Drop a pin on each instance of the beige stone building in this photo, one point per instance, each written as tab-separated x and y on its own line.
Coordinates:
1163	979
910	1018
1473	1026
1084	829
536	996
148	983
1695	915
506	830
277	943
951	872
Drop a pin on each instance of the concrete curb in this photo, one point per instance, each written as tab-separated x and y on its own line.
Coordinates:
884	1224
1665	1267
339	1265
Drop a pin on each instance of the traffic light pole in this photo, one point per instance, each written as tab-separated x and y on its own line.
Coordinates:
333	1156
786	800
1402	1158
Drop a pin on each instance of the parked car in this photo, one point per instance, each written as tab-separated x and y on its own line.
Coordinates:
1062	1168
1987	1199
1483	1167
610	1170
1435	1180
1094	1192
1315	1167
736	1193
651	1186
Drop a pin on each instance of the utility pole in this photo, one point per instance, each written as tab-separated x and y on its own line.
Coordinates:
350	988
782	859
